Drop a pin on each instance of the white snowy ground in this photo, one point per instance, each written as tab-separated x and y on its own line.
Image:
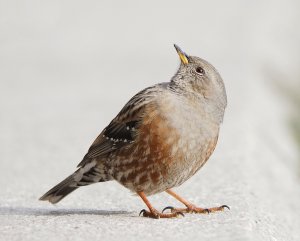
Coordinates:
66	68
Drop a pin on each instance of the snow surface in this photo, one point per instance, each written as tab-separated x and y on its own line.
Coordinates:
66	69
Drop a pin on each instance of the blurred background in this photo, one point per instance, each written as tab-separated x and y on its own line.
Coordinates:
68	67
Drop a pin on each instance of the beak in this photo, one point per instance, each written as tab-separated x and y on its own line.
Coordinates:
182	55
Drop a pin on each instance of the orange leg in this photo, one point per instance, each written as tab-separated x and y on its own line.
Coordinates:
153	213
191	208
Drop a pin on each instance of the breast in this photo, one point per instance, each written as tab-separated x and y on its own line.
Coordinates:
197	136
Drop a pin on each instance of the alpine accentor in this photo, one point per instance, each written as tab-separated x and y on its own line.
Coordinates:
160	138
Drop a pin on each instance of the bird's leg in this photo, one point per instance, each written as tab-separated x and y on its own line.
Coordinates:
153	213
191	208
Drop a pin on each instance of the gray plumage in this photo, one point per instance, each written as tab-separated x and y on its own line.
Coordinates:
191	106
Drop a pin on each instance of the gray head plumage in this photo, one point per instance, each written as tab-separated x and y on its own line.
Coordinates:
198	79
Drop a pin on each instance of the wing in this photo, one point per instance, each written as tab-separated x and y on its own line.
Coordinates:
123	129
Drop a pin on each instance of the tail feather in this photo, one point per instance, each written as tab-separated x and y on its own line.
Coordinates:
88	174
61	190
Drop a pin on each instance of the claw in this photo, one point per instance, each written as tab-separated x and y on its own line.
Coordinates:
173	210
168	207
225	206
142	212
207	211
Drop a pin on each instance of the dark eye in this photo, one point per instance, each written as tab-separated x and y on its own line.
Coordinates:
199	70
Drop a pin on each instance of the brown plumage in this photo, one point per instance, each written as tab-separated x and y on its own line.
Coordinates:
160	138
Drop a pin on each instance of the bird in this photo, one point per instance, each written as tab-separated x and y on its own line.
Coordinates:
160	138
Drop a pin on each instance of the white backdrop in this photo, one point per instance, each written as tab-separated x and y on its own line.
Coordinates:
66	69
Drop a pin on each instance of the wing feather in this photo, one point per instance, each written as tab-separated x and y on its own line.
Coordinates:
123	129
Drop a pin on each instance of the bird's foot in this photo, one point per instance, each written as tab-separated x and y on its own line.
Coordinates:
194	209
153	213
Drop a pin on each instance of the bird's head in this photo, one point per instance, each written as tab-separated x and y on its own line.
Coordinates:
198	78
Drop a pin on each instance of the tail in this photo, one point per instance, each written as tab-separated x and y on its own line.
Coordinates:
88	174
61	190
